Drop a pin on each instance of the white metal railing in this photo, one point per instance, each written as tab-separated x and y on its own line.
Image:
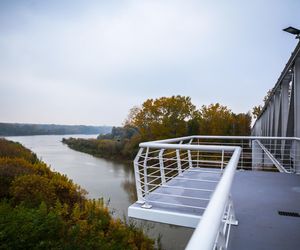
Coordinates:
258	152
158	163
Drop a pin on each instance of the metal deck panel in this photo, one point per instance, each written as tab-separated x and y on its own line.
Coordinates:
183	211
257	197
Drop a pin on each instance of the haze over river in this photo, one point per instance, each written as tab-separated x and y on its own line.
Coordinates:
114	181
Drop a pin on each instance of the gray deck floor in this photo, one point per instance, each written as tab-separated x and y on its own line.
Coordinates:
257	198
195	185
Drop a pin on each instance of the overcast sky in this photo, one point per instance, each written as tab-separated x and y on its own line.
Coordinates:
89	62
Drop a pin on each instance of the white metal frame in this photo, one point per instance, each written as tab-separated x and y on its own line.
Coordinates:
219	213
184	154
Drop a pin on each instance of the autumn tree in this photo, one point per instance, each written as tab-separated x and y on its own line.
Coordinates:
241	124
256	110
216	120
164	117
131	114
267	96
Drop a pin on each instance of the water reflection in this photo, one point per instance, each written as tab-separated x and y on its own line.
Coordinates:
129	187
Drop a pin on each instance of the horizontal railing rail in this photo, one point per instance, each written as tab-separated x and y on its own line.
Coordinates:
178	139
258	152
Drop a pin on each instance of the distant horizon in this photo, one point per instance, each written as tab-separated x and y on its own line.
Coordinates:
29	123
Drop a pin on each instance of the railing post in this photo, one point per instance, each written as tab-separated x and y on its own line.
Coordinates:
137	177
190	155
295	160
242	155
178	161
222	163
145	172
232	218
198	142
221	240
161	165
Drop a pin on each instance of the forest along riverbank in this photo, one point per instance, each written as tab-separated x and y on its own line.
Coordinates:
114	181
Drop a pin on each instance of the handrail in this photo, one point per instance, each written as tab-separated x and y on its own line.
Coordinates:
206	232
184	138
215	148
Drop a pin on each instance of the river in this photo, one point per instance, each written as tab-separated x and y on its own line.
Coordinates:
113	181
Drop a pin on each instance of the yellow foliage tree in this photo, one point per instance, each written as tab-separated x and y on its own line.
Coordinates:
163	117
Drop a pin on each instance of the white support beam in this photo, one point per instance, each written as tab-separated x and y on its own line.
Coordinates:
297	112
297	98
284	107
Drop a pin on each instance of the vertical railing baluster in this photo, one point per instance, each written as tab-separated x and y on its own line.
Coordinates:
137	177
198	142
190	155
161	164
145	171
242	155
178	161
222	163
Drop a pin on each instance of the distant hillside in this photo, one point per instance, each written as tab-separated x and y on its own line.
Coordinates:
12	129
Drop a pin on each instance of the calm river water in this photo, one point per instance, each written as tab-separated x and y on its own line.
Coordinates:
101	178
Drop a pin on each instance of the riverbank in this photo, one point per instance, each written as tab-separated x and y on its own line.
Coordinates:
103	148
34	198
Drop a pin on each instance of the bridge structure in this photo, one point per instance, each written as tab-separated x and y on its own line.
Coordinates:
238	192
280	117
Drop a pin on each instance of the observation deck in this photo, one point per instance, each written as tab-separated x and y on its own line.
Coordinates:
237	192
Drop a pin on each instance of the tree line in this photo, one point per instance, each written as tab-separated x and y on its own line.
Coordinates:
162	118
15	129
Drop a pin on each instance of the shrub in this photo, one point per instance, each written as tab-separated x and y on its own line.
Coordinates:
16	150
11	168
45	210
30	228
32	190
